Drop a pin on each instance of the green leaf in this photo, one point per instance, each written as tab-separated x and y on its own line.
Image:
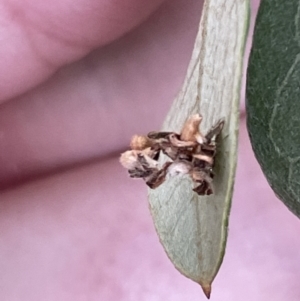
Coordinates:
193	229
273	97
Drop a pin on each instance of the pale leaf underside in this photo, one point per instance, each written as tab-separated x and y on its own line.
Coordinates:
193	229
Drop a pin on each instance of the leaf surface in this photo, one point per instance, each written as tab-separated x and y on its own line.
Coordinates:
193	229
273	97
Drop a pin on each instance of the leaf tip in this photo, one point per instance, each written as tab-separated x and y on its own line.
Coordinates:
206	289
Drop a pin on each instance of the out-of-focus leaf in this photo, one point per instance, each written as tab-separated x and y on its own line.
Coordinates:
273	97
193	229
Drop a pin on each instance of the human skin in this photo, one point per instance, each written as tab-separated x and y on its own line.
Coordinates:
76	83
